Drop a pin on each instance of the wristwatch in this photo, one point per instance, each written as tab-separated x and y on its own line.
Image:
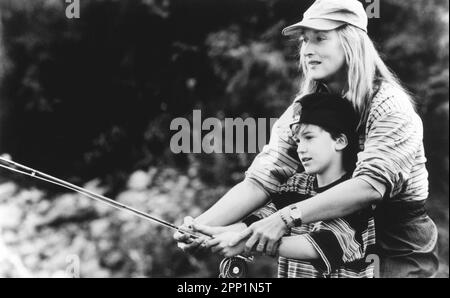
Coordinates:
296	214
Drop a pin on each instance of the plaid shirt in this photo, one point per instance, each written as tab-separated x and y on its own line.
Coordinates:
343	244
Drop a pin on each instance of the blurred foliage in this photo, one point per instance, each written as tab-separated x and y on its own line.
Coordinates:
91	99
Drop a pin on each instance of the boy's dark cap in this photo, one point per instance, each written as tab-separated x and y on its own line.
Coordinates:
329	111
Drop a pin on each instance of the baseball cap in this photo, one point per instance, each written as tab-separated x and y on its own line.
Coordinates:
327	15
329	111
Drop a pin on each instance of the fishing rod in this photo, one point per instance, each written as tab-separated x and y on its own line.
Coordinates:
229	267
21	169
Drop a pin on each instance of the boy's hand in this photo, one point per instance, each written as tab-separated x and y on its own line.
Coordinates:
215	230
194	246
265	233
185	242
221	238
221	244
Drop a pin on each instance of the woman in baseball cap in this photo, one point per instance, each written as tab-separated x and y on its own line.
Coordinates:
337	56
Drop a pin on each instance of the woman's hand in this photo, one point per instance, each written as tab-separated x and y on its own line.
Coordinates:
265	233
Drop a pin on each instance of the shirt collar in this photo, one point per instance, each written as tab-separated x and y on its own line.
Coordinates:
318	189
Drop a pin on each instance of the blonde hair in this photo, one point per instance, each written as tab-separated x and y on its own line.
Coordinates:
365	71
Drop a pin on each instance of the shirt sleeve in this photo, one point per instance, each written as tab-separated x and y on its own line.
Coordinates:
343	240
261	213
278	160
390	149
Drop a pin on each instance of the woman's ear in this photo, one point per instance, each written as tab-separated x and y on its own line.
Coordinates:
341	142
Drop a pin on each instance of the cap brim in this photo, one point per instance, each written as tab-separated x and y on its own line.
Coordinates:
315	24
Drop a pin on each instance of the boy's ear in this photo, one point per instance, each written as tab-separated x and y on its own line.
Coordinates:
341	142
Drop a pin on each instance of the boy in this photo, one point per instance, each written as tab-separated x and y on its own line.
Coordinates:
327	147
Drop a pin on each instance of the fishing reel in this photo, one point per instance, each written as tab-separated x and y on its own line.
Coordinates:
231	267
234	267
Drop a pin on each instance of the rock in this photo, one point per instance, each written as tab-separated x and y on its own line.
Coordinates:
104	245
99	228
10	216
66	204
132	198
60	274
43	207
182	183
113	258
152	173
29	196
7	190
103	210
124	216
139	180
32	221
94	186
9	237
92	269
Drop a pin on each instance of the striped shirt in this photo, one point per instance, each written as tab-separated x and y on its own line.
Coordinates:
392	157
343	244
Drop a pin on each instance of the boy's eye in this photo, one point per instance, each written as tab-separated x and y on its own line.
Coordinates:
306	138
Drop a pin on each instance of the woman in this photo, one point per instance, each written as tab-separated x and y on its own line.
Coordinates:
337	56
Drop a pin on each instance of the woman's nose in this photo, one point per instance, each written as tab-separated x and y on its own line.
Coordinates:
308	50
